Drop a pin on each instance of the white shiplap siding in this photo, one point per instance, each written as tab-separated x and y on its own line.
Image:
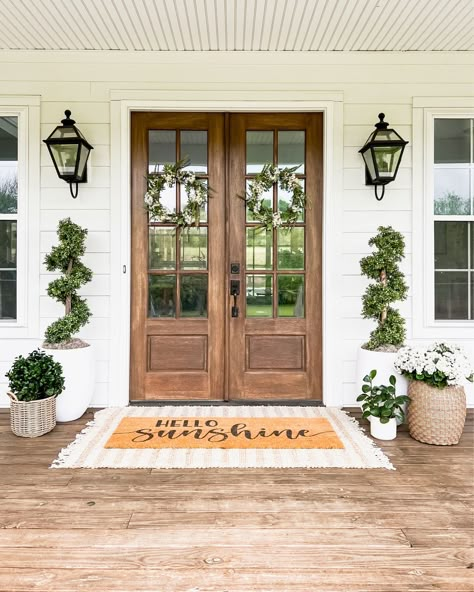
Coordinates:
370	83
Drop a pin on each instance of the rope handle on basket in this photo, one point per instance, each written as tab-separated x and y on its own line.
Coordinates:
12	396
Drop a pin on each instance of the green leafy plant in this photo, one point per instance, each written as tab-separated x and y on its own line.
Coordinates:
380	400
65	257
38	376
389	286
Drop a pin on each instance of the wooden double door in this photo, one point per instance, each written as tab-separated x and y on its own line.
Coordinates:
187	340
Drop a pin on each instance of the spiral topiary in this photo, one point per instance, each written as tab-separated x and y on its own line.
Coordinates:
65	257
390	286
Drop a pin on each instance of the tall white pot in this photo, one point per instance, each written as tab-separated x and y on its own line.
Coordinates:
79	372
368	360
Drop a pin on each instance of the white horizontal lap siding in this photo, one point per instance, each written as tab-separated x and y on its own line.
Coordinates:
370	82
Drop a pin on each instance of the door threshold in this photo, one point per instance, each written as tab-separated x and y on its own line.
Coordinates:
240	403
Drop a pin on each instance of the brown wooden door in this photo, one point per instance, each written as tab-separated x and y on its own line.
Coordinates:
274	346
185	344
177	299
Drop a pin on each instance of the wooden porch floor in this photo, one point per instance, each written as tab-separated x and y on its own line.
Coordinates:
236	530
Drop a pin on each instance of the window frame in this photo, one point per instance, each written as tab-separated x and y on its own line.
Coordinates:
425	111
27	110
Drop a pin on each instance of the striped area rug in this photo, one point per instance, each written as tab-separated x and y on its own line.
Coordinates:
109	441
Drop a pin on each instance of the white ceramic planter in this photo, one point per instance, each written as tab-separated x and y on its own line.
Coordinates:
368	360
78	368
383	431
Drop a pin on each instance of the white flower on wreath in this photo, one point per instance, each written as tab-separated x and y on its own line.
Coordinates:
276	219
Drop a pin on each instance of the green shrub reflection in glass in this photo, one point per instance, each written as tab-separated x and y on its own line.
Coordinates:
65	258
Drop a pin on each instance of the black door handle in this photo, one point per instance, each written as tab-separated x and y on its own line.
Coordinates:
235	291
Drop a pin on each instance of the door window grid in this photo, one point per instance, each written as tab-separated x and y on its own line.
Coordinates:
453	208
277	291
183	292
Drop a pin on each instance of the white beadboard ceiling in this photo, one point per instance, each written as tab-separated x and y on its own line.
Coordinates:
237	25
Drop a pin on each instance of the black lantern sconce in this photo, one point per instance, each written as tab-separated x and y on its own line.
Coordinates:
382	155
69	151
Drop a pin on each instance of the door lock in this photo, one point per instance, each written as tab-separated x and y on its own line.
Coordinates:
235	291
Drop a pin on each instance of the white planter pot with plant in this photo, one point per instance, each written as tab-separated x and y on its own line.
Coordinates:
437	408
34	383
382	406
75	355
389	286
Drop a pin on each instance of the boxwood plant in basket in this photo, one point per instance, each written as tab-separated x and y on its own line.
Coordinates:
437	372
382	407
386	288
34	382
74	354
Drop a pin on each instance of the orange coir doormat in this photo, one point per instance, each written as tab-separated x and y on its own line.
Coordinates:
224	432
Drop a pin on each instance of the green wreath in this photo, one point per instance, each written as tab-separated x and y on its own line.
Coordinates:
196	190
287	181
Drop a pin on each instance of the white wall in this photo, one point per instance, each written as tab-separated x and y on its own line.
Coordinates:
370	82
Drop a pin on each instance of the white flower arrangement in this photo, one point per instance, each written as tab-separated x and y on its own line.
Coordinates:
439	364
196	190
264	181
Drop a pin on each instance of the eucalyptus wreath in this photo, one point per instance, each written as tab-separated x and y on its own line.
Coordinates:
196	190
264	181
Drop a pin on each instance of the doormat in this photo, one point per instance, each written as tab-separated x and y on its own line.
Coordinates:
178	437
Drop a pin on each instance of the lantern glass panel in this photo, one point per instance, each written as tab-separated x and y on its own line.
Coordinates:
61	133
387	158
370	164
387	135
83	156
65	157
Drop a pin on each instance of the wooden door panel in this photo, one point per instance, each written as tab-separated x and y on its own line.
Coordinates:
275	357
172	356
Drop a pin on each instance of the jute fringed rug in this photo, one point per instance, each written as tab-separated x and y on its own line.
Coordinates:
222	437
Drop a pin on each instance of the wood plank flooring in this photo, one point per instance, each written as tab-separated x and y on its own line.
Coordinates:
220	530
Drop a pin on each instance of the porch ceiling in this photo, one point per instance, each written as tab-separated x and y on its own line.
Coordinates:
237	25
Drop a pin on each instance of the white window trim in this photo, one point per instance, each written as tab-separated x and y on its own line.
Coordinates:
123	103
425	110
27	109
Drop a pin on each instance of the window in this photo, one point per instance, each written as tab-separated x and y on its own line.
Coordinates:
453	209
8	217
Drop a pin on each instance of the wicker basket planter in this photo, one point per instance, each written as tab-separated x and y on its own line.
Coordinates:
436	416
30	419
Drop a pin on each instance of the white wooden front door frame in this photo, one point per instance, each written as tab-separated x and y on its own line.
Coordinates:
123	103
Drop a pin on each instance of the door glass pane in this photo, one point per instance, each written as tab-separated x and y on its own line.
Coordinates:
161	248
184	201
7	244
259	248
291	248
451	140
284	200
259	150
291	150
193	295
267	198
451	191
259	291
162	149
168	199
193	248
162	296
291	295
8	165
194	149
451	245
451	295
